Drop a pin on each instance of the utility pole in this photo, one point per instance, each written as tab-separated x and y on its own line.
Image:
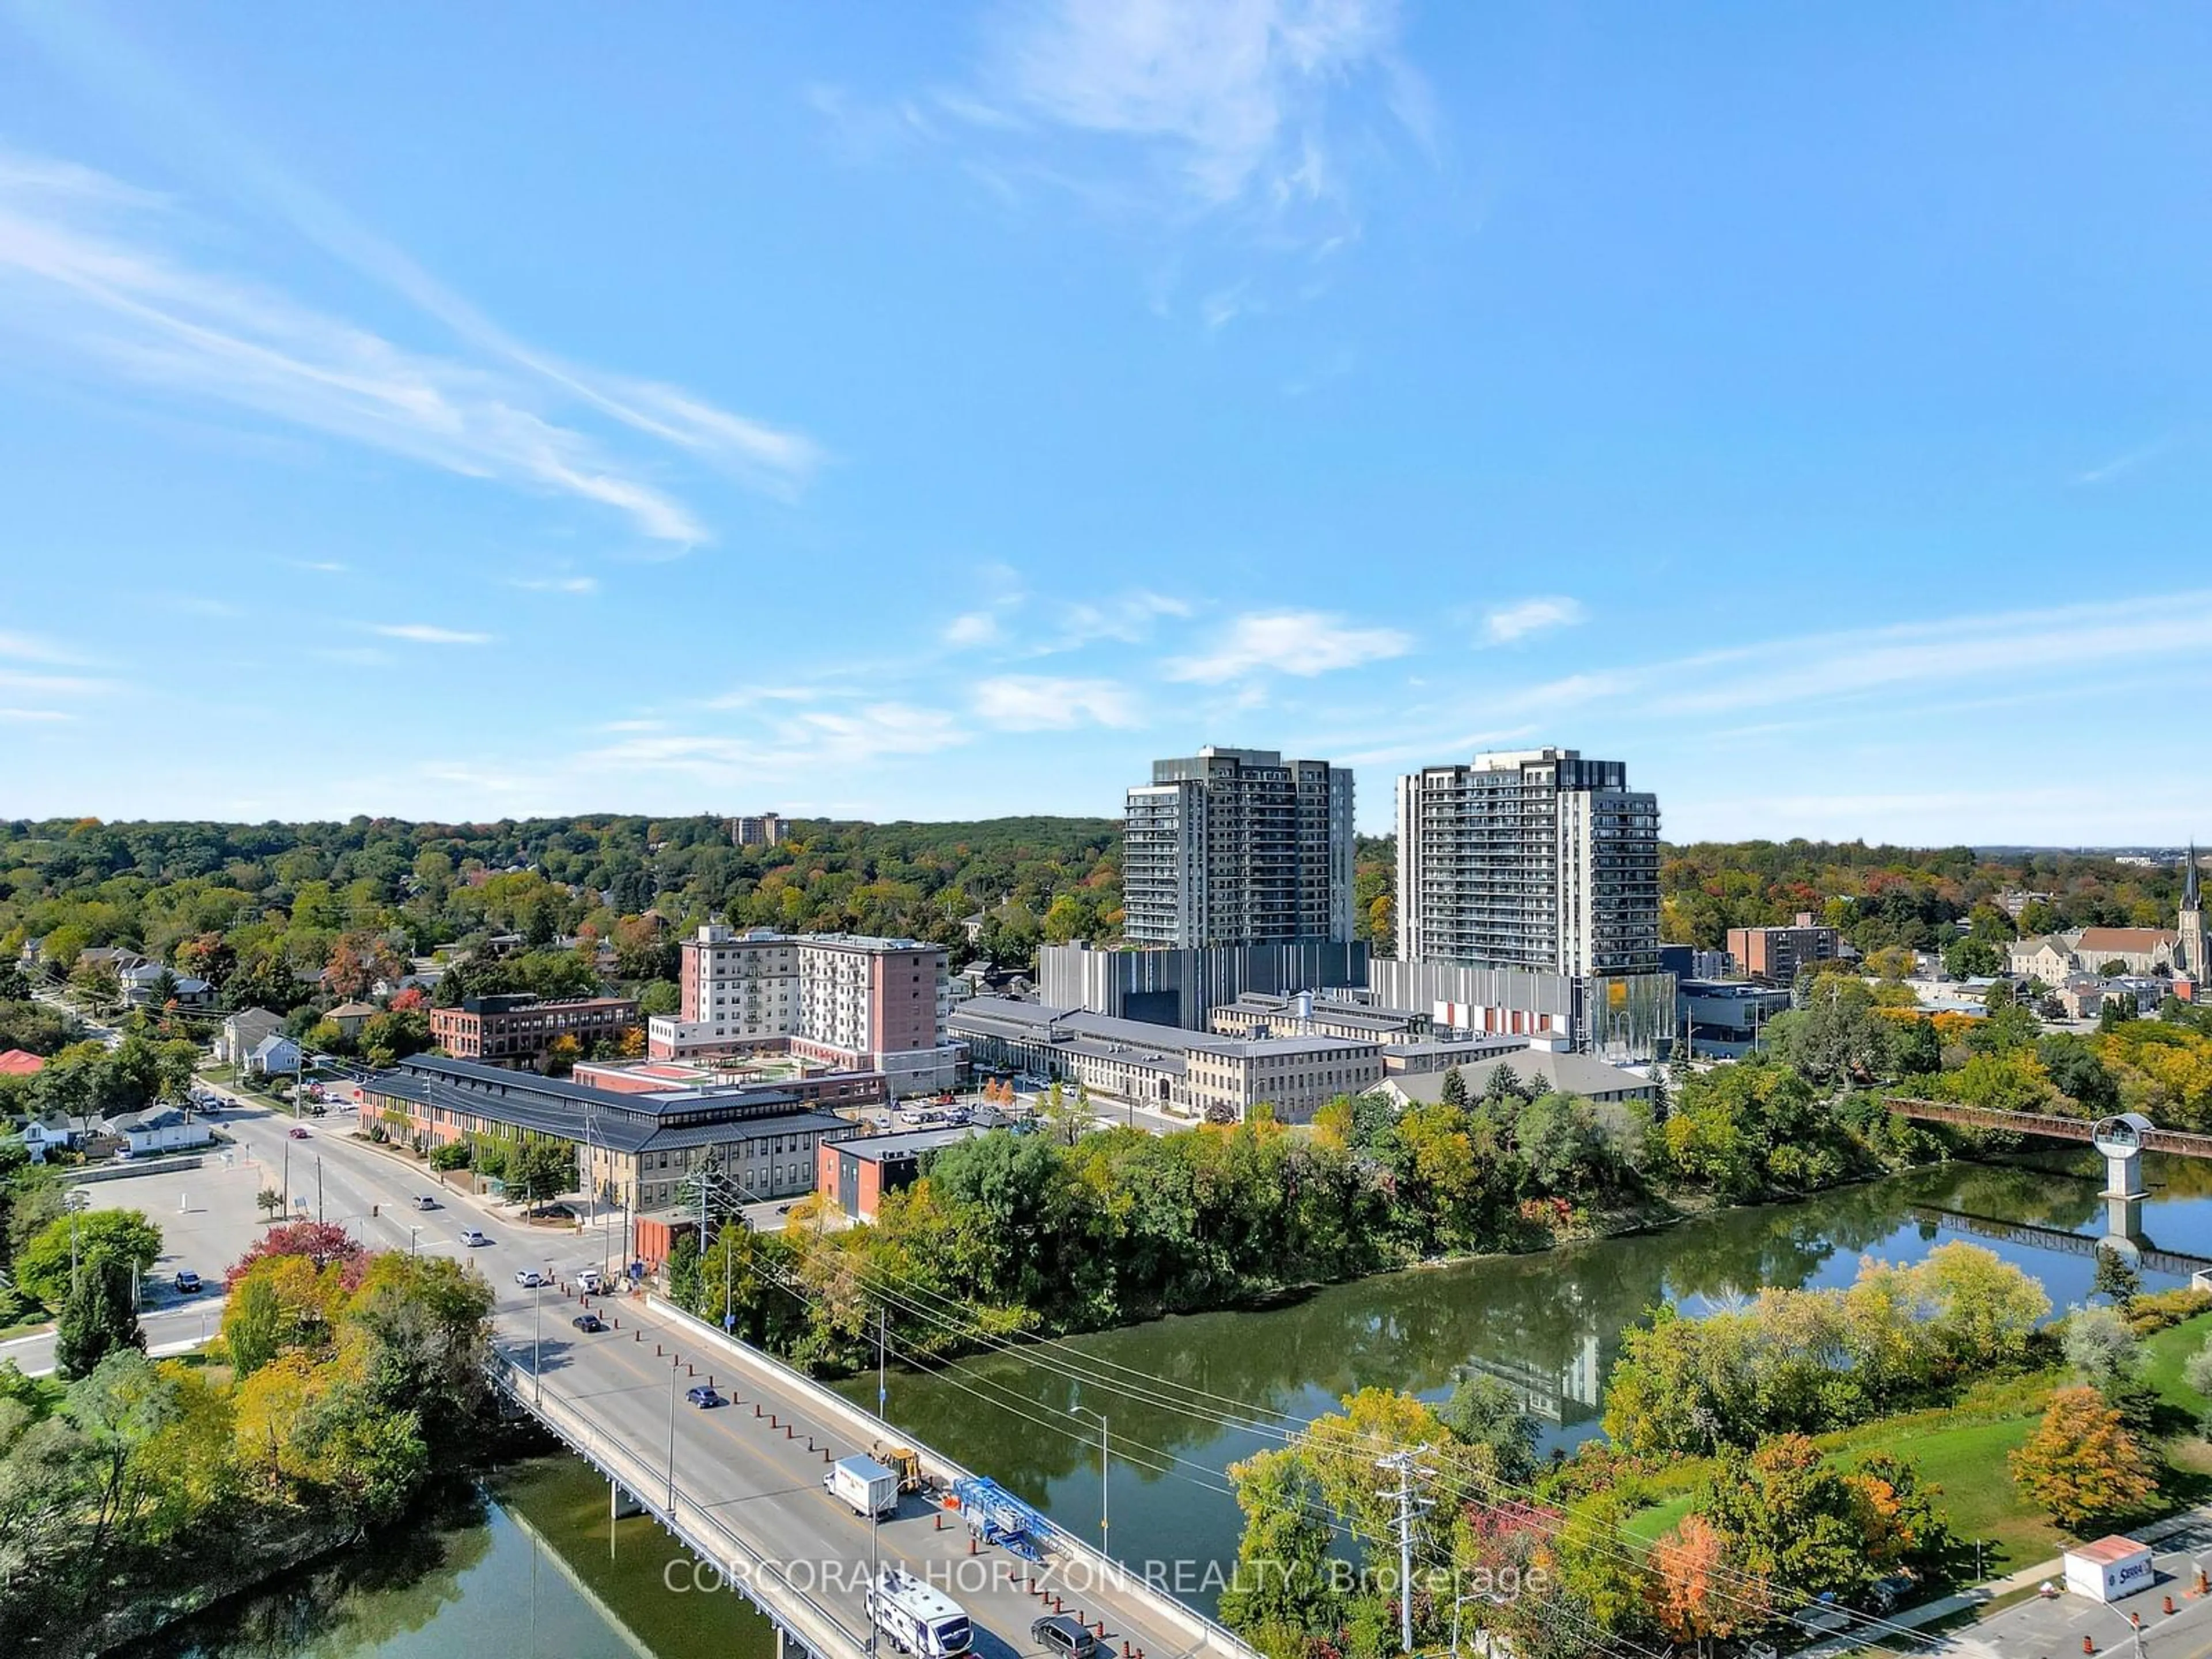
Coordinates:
1403	1466
319	1188
1105	1465
882	1394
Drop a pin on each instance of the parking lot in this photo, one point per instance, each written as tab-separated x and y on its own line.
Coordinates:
2054	1628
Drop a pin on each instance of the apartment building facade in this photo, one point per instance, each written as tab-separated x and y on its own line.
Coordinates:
1534	859
1234	846
520	1030
850	1003
1776	956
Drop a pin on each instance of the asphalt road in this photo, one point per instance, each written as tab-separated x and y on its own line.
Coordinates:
766	1488
762	1486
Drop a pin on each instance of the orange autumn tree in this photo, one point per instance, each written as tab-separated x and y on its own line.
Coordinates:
1696	1591
2081	1464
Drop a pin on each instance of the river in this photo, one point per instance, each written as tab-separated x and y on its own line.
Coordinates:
529	1564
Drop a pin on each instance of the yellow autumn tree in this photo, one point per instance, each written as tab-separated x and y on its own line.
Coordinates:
2081	1464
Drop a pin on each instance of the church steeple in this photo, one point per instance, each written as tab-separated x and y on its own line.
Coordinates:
2189	899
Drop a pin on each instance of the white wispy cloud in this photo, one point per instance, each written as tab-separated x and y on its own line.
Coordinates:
973	627
808	744
1505	623
1301	642
2120	465
576	585
320	567
1128	618
34	716
29	647
91	277
1232	96
1043	702
429	634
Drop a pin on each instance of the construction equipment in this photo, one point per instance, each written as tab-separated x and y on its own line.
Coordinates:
905	1462
997	1516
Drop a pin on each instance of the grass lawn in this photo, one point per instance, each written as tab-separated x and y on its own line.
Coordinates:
1646	1527
2164	1355
1968	1461
27	1328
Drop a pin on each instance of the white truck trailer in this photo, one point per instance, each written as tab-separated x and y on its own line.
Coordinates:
865	1484
917	1619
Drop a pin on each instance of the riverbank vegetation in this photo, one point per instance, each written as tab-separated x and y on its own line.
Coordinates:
1854	1444
1058	1230
142	1489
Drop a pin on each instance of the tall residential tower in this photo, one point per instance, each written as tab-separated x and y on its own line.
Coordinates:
1238	847
1534	859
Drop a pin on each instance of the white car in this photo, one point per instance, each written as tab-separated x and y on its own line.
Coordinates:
529	1278
473	1236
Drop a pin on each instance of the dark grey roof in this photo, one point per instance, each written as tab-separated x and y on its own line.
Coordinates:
877	1149
624	1123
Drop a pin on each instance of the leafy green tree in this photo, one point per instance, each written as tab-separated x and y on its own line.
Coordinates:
538	1170
1454	1088
2118	1280
252	1325
96	1319
2101	1349
125	1237
1281	1593
1973	958
2074	1069
1836	1037
1790	1517
1483	1410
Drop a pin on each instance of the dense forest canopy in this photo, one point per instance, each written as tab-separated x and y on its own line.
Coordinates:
209	897
219	899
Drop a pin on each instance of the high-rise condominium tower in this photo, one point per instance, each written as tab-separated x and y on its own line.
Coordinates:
1533	859
1238	847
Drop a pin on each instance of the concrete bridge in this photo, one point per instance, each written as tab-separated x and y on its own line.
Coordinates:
741	1485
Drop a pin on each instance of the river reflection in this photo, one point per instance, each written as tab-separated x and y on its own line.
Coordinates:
1548	1324
529	1564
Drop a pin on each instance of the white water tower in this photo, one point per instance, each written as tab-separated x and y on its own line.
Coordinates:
2120	1139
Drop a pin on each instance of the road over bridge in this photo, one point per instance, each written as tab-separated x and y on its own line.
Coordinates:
741	1486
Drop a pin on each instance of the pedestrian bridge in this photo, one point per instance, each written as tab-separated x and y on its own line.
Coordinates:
2121	1139
740	1486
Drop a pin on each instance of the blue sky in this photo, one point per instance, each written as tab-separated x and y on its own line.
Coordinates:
925	411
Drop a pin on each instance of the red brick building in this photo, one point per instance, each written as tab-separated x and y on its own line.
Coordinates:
518	1030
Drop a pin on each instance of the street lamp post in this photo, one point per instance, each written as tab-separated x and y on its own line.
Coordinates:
78	1201
536	1325
671	1442
1105	1465
413	1234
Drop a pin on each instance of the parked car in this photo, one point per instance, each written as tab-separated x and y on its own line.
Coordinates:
590	1323
297	1132
473	1236
703	1397
424	1201
188	1282
529	1278
1064	1636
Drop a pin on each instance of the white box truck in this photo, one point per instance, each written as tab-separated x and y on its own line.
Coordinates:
2109	1569
866	1484
918	1619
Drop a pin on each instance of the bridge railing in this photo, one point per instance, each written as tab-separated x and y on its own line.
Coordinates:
1100	1567
763	1582
2181	1142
